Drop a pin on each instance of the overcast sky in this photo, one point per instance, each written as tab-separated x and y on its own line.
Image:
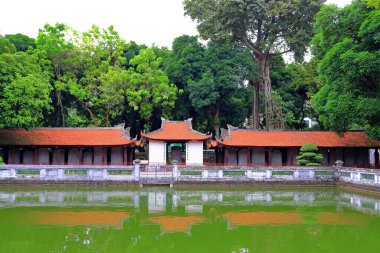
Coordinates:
144	21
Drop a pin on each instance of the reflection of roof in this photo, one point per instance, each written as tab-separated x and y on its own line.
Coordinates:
70	218
112	136
256	218
176	131
340	219
251	138
176	223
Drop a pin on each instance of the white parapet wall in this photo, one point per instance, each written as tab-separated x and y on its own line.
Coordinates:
194	153
157	152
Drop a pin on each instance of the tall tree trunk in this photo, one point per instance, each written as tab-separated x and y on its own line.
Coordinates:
255	105
60	105
59	93
216	119
267	90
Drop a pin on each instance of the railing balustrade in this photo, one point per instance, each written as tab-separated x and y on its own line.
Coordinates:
171	173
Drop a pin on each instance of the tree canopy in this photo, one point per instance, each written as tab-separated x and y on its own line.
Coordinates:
348	67
266	29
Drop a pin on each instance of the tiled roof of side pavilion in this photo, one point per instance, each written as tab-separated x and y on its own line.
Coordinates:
251	138
176	131
102	136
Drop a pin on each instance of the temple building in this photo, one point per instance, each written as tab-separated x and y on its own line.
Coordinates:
243	147
71	146
175	140
178	141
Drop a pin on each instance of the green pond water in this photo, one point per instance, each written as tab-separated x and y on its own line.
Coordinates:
188	220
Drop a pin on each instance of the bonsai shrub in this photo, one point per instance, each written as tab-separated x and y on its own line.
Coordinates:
1	160
309	156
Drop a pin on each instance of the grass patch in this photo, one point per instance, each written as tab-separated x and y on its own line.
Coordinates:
191	173
324	173
76	172
119	172
282	173
233	173
28	172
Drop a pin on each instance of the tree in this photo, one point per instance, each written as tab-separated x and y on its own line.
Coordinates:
148	87
1	160
21	41
226	69
52	42
185	64
295	85
266	28
24	91
348	67
6	47
308	156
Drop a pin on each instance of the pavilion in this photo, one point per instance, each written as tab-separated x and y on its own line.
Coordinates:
184	143
67	146
266	148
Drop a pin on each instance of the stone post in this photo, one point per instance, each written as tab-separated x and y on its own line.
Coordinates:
338	167
42	173
137	169
61	174
175	169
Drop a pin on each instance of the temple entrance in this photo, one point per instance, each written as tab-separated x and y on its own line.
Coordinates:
176	151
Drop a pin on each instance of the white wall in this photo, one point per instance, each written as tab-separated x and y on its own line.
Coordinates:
157	152
194	152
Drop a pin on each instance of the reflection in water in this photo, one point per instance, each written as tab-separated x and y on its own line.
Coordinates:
70	218
169	220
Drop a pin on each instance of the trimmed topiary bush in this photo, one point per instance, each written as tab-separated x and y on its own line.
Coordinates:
309	156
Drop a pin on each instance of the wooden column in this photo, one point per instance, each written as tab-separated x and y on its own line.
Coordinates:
125	155
355	159
270	153
80	156
250	156
35	158
376	158
237	156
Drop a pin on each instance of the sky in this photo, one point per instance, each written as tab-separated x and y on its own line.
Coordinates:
143	21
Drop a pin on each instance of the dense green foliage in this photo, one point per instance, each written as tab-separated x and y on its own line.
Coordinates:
21	41
267	29
309	156
348	67
239	76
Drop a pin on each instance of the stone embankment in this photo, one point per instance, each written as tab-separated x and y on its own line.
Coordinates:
203	175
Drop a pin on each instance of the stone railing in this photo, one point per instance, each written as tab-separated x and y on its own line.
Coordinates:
255	174
173	173
67	172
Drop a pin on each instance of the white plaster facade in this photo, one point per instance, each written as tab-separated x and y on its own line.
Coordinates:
194	153
157	152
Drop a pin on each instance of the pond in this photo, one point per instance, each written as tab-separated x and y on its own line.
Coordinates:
188	220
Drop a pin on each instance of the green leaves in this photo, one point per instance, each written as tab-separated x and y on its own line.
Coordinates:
148	86
349	67
308	156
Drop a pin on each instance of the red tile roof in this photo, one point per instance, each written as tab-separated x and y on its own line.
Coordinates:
112	136
250	138
176	131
